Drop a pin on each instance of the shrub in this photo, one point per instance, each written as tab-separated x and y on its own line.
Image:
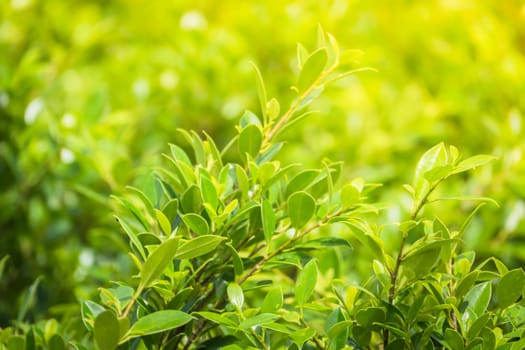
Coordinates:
235	250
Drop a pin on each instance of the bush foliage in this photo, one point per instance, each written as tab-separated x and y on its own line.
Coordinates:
246	234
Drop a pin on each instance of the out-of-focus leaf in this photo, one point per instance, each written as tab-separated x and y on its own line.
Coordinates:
107	330
235	295
473	162
273	301
312	69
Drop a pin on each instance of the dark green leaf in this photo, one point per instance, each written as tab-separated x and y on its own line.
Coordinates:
191	200
107	330
366	317
454	339
56	342
2	265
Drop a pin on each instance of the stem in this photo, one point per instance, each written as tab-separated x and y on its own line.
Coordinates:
283	247
295	104
394	274
132	302
257	268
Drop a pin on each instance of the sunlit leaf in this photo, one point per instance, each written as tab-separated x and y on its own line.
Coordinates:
198	246
312	69
306	281
301	208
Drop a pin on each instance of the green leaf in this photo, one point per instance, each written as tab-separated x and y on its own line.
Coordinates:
466	283
158	321
191	200
2	265
16	342
438	172
107	330
178	154
367	317
235	295
164	223
454	339
170	209
273	108
198	246
132	236
28	300
349	196
476	301
209	192
473	162
301	181
238	265
56	342
301	208
269	220
261	92
273	301
510	287
312	69
249	118
196	223
217	318
242	180
478	325
258	320
157	262
323	242
300	336
250	140
436	156
306	281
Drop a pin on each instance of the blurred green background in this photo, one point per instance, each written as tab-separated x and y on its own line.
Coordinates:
91	92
